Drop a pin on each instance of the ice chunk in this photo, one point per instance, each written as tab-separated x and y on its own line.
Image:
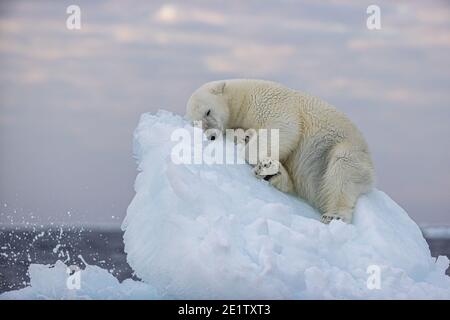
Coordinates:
56	282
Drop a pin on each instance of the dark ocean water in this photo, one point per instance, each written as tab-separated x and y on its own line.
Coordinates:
20	248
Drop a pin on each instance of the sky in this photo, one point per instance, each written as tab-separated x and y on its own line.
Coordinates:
70	99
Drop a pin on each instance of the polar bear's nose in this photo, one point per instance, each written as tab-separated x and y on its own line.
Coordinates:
213	137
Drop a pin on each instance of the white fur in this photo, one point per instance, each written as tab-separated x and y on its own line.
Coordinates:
323	157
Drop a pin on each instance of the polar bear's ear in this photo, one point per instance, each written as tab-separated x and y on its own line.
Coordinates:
217	88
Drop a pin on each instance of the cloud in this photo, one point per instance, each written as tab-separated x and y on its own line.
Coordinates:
414	37
310	25
167	13
33	76
173	14
254	59
8	26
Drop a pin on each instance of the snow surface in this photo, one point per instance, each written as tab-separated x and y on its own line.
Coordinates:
215	231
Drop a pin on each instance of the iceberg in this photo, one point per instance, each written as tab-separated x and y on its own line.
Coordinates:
214	231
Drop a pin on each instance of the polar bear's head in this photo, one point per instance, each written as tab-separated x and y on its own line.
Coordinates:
209	105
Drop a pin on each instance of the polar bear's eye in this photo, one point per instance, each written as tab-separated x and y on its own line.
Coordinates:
208	112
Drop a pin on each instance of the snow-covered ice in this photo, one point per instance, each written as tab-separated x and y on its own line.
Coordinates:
215	231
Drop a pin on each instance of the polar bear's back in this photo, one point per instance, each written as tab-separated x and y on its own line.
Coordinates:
271	104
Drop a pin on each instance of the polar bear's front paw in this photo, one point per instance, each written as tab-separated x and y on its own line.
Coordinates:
266	169
327	218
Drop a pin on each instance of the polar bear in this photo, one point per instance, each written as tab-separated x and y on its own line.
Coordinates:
323	157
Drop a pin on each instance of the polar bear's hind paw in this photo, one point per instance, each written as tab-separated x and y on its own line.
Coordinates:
327	218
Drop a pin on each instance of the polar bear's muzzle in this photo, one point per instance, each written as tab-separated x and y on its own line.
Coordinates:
212	128
212	134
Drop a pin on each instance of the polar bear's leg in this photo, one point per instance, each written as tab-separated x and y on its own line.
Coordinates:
274	172
347	176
